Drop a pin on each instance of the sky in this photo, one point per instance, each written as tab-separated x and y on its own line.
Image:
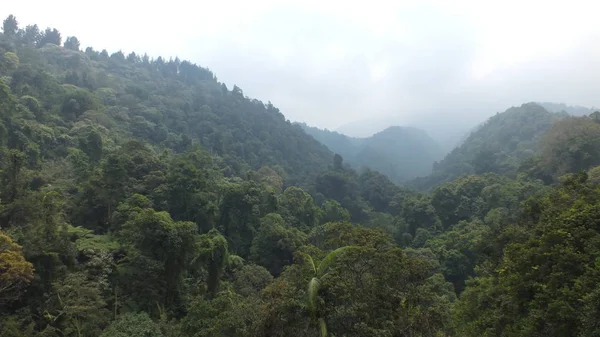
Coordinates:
359	66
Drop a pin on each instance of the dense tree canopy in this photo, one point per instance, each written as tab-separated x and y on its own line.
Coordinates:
142	197
499	145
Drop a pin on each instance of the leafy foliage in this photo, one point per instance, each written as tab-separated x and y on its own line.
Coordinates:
498	146
133	325
15	271
545	280
571	145
141	197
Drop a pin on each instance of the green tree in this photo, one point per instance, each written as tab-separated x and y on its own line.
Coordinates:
274	245
15	271
50	36
227	314
571	145
319	270
338	162
240	215
32	35
13	176
77	101
214	255
270	178
159	252
460	249
80	305
545	279
72	43
251	280
10	62
334	212
188	182
298	208
417	211
133	325
10	26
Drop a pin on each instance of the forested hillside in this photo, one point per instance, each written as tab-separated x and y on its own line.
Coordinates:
499	145
140	197
576	110
401	153
163	102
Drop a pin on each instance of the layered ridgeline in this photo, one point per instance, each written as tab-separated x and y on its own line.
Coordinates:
138	199
401	153
168	103
141	196
574	110
499	145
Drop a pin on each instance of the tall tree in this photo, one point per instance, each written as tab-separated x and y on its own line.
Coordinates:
10	26
50	36
214	254
32	35
72	43
159	252
320	270
15	271
9	62
274	245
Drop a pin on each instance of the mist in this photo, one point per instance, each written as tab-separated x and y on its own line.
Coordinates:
360	68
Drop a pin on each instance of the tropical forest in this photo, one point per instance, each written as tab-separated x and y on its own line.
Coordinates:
140	196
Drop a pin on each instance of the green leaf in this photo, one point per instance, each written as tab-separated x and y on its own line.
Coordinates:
313	290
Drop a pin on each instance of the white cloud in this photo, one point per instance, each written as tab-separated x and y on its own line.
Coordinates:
332	62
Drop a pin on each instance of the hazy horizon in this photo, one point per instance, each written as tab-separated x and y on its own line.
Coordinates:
432	64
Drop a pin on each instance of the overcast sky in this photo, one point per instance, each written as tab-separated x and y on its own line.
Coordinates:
329	63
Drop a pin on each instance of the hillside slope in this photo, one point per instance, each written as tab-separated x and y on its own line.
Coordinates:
574	110
113	222
498	146
401	153
169	103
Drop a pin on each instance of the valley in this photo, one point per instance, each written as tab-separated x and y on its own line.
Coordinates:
141	196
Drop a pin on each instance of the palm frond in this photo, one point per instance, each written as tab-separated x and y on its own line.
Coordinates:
313	290
235	260
322	327
331	257
310	260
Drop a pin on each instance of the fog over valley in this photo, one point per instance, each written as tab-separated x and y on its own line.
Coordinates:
299	168
357	67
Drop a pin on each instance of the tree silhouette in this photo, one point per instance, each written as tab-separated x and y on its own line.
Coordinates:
10	26
72	43
51	36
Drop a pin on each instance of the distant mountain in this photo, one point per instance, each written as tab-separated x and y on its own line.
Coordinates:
169	103
401	153
574	110
447	133
366	128
499	145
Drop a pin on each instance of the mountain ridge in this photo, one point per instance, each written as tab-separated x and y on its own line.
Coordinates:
141	197
400	152
497	145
